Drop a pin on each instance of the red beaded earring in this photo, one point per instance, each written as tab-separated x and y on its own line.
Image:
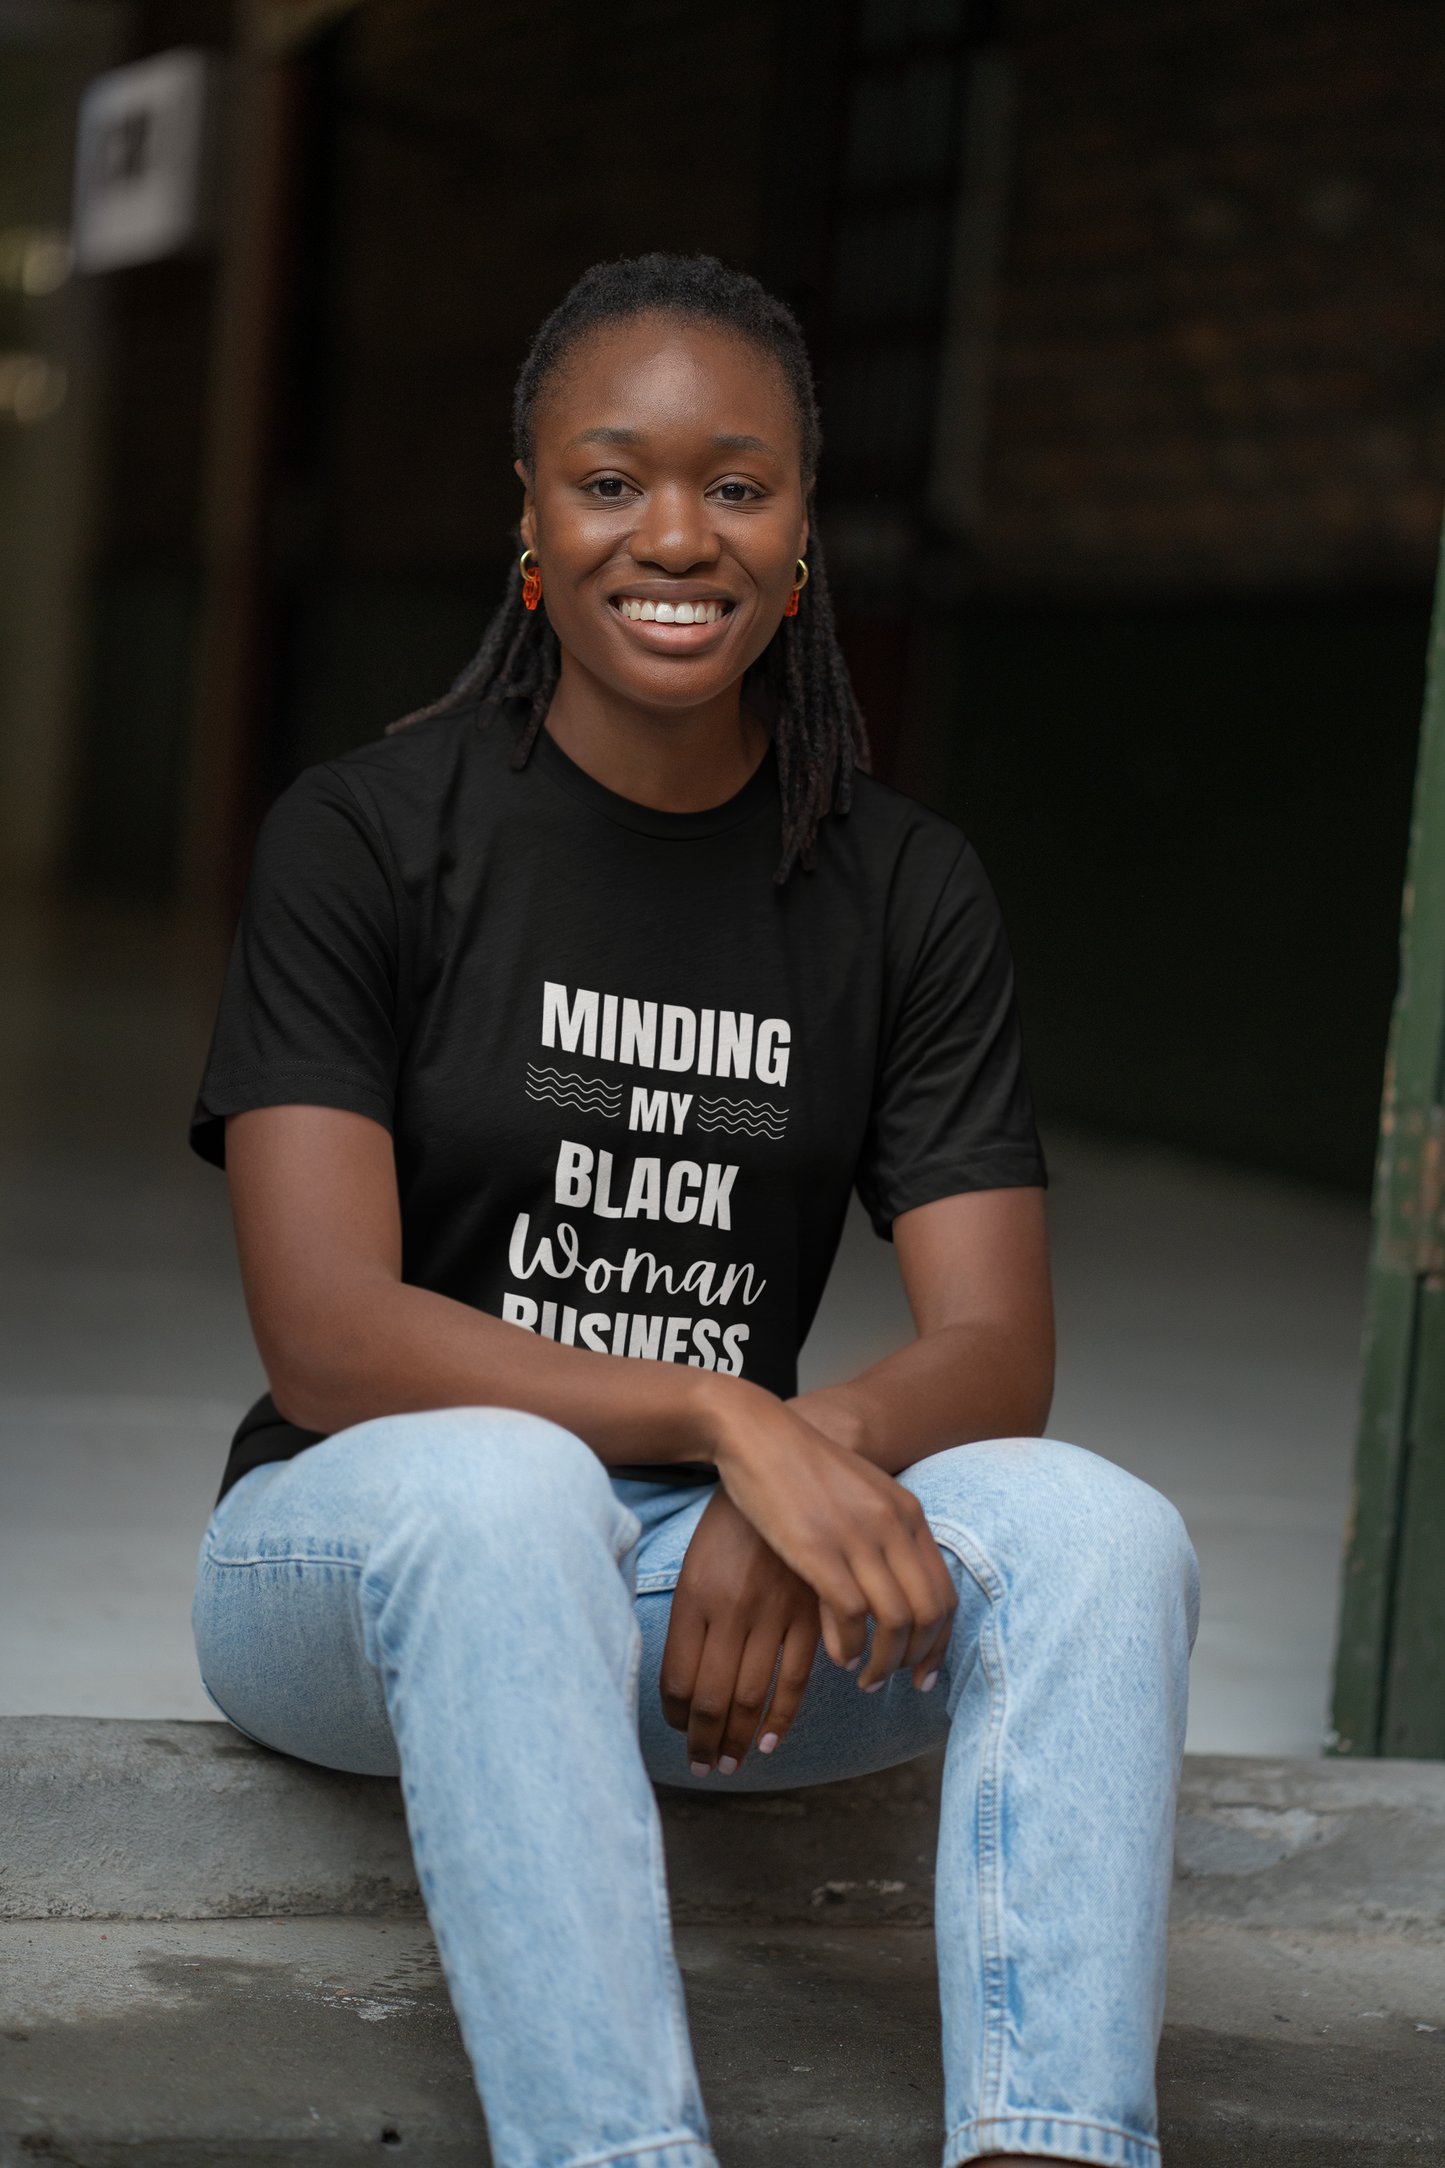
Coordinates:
790	607
532	581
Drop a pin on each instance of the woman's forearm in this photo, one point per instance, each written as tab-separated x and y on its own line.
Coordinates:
950	1387
975	1270
345	1338
388	1349
376	1346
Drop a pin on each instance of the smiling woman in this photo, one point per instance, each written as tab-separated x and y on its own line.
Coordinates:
722	469
534	1511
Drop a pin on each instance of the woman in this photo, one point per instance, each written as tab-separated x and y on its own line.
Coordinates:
559	1028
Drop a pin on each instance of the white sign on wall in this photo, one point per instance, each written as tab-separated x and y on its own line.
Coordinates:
144	160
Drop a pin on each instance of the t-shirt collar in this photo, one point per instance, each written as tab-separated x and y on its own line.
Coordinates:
758	795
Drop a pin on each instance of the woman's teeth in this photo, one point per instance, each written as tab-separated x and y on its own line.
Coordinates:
672	613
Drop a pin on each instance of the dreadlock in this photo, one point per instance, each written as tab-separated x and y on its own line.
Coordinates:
801	678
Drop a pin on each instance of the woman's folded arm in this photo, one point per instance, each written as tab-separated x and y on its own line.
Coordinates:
343	1338
975	1268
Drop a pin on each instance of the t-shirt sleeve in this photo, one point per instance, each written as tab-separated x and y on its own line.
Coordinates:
951	1108
308	1013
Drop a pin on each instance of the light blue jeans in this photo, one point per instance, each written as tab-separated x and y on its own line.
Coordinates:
466	1597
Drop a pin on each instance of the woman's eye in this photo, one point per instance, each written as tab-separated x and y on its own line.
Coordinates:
736	492
610	487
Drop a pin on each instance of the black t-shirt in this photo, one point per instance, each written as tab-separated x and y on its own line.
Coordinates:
631	1081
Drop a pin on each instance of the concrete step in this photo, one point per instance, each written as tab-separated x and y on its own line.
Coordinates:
211	1955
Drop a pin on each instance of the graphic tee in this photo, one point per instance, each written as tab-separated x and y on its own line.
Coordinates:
631	1082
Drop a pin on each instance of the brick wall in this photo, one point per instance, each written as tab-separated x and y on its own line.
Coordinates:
1221	341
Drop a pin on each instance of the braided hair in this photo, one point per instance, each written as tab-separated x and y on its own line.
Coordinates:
801	678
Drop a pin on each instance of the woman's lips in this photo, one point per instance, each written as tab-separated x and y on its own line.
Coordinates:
646	612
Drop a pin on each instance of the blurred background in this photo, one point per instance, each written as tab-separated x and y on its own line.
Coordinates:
1129	318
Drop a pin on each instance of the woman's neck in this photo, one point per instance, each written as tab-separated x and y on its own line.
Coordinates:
674	761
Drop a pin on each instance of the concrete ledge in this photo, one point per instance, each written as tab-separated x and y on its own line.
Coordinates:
1340	1845
109	1819
103	1818
214	1956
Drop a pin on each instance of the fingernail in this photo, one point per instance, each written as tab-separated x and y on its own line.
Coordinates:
855	1665
927	1685
699	1768
873	1689
768	1741
726	1764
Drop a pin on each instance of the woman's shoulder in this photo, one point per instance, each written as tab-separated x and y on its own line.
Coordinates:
392	780
892	832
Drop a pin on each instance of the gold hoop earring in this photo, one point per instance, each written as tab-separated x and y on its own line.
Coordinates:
531	581
790	608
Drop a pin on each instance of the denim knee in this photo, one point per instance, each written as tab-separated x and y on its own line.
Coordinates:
492	1490
494	1461
1138	1539
1040	1506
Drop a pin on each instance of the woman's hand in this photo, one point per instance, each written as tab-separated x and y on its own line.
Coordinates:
857	1538
738	1615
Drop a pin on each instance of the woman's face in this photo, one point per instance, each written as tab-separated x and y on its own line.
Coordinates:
667	478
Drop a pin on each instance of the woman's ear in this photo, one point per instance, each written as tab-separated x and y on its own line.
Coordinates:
529	515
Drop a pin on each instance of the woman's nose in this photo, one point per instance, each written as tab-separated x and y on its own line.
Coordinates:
675	532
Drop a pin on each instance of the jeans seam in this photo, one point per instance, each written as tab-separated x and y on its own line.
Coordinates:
222	1711
986	2130
677	2005
662	1917
282	1558
990	1871
636	2148
1052	2115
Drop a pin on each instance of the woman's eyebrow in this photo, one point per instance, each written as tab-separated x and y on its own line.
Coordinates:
604	435
631	439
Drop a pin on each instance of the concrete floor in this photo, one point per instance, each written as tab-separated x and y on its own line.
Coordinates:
1209	1336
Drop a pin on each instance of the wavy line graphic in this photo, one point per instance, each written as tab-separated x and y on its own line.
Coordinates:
573	1091
572	1100
570	1091
743	1125
768	1116
538	1074
737	1126
564	1088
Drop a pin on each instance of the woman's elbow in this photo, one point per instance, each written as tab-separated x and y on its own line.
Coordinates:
318	1381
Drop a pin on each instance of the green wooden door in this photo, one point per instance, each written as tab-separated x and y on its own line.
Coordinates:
1390	1665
